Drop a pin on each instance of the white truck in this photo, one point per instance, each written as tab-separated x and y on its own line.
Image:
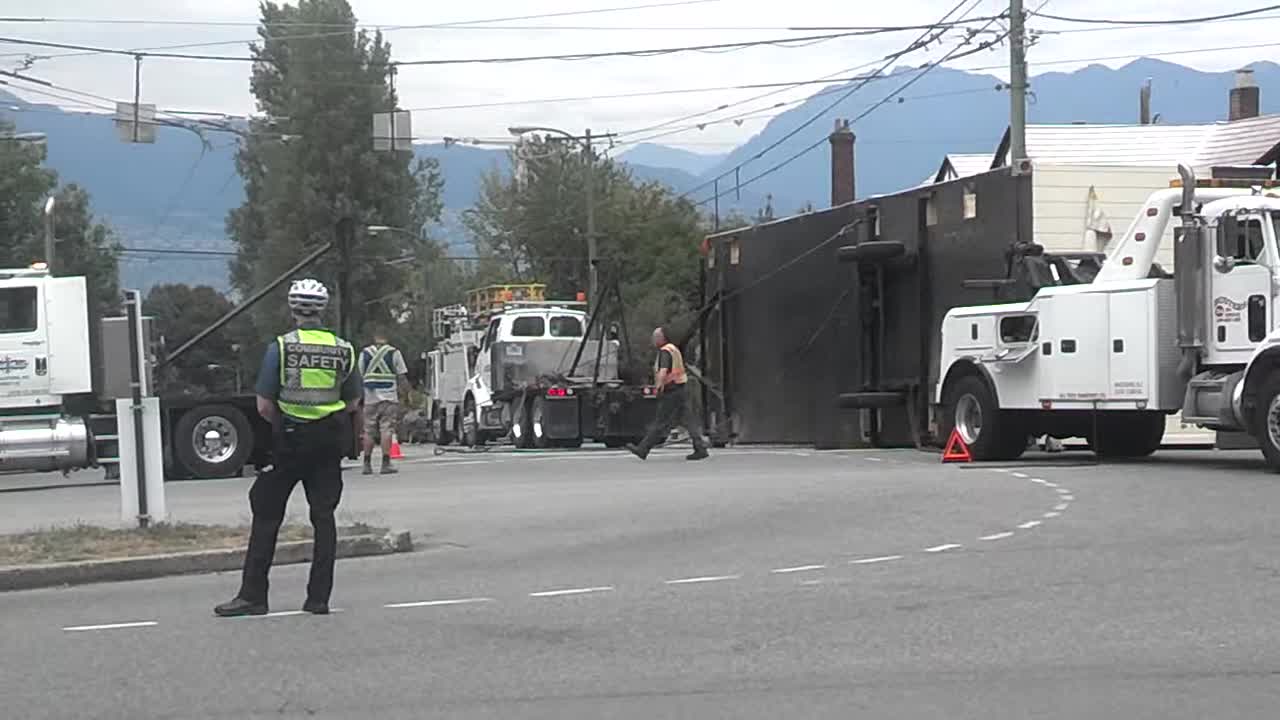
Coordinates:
1109	360
542	374
449	369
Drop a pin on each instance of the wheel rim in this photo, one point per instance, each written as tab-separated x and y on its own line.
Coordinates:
1273	421
969	419
215	439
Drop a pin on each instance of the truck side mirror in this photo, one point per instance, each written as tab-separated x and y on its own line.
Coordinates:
1224	264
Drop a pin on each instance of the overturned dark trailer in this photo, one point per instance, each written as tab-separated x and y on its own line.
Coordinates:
825	326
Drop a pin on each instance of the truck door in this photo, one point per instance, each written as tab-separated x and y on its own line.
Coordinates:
484	360
24	344
1240	284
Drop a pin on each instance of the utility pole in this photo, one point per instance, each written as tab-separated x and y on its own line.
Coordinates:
590	162
1017	86
49	238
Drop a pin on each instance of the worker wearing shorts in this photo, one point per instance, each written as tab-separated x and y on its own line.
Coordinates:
385	374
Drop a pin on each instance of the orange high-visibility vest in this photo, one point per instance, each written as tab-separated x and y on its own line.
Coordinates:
676	375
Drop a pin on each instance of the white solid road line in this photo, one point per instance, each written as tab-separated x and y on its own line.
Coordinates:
704	579
1029	524
437	603
943	548
997	536
571	591
111	626
872	560
799	568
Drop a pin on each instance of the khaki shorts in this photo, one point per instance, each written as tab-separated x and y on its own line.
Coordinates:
380	419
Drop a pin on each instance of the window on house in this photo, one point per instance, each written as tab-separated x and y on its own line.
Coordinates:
734	253
931	210
970	202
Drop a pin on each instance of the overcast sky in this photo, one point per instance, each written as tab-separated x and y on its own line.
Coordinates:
223	86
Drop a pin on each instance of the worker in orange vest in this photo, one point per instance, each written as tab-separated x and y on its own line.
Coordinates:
673	401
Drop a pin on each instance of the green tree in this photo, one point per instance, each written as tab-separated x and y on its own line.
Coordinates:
182	311
84	246
531	227
310	162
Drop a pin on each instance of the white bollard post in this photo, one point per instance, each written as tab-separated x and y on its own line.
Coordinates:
153	466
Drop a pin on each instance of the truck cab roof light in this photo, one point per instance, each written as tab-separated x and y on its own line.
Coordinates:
1243	183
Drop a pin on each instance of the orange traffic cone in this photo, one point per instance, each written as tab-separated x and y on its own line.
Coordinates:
395	449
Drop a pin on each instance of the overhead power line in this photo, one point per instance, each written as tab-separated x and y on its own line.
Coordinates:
644	52
1176	21
922	41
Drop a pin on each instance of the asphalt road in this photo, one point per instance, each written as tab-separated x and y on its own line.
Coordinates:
761	584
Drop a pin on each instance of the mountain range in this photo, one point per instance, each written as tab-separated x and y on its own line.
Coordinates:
175	194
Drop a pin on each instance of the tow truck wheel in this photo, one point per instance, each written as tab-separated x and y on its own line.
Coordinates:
970	408
1267	421
471	436
444	435
213	441
522	428
537	413
1131	435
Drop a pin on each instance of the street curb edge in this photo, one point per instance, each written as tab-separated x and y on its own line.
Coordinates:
30	577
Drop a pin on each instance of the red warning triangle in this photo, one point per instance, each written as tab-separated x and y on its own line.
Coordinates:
956	450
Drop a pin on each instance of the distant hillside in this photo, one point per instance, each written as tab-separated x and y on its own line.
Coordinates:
176	193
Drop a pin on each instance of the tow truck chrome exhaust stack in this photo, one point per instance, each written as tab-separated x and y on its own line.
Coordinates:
43	443
1189	279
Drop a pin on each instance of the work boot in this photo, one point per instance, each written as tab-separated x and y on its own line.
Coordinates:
698	454
638	451
315	607
368	465
239	607
387	469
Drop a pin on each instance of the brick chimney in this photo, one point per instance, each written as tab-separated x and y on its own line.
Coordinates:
1245	98
842	166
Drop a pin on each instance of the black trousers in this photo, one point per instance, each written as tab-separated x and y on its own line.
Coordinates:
673	409
309	453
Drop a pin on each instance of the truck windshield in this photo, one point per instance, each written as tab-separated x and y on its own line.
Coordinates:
528	326
17	310
566	326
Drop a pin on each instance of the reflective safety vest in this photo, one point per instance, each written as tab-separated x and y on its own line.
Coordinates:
676	375
314	364
376	366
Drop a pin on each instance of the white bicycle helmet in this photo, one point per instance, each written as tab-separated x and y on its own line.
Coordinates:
308	297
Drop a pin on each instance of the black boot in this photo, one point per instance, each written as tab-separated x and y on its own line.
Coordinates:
315	607
638	451
239	607
698	454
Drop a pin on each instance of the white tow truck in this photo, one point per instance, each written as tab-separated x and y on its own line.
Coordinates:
539	373
449	369
1109	360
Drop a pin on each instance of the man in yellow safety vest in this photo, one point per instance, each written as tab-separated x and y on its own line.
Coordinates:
673	401
386	376
309	390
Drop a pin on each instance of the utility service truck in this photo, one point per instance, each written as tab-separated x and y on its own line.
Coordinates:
1109	360
449	369
541	374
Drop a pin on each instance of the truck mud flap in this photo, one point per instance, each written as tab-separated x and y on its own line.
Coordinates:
871	400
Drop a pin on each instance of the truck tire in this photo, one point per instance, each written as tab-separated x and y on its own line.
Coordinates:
970	406
1127	436
440	424
1266	421
471	434
536	414
213	441
524	438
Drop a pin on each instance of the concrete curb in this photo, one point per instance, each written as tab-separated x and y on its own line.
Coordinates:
29	577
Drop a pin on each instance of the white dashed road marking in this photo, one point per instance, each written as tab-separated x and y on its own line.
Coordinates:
1060	507
997	536
704	579
1024	476
1051	514
572	591
112	626
943	548
800	568
1029	524
873	560
439	603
